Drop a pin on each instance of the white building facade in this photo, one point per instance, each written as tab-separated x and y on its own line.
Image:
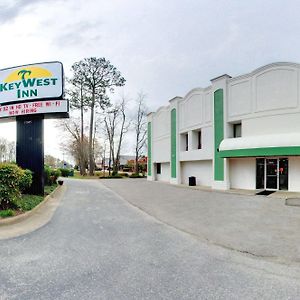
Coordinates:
238	133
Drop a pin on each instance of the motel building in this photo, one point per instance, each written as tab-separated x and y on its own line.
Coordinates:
237	133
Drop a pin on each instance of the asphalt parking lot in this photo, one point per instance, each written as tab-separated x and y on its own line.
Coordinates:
258	225
98	246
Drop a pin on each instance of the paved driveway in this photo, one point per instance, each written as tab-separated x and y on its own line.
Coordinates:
260	225
97	246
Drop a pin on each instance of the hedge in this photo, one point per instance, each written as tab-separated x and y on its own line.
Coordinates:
50	175
13	180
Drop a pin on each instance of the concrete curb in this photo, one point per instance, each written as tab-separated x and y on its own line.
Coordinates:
28	214
278	194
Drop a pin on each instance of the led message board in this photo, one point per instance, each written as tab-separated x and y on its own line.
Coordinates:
53	107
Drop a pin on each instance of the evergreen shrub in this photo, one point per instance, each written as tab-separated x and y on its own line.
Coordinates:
12	180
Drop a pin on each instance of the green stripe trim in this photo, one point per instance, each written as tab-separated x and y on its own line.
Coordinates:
149	133
218	134
268	151
173	143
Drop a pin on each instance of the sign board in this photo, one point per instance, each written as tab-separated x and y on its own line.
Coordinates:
30	82
32	108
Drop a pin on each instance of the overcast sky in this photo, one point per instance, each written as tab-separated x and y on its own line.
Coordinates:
163	47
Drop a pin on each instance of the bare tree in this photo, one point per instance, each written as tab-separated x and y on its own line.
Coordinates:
103	154
76	147
123	129
140	128
3	145
79	99
116	126
7	150
99	76
110	125
50	161
11	151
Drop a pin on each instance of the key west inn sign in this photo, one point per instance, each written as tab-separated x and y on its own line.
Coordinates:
28	94
39	82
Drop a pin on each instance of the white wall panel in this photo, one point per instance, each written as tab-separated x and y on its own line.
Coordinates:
161	150
161	123
208	102
294	174
165	173
276	89
242	173
191	111
240	98
286	123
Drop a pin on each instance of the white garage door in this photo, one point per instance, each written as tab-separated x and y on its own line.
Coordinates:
202	170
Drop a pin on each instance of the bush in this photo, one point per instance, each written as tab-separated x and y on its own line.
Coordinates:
54	174
116	176
135	175
10	179
26	181
65	172
123	174
47	171
51	175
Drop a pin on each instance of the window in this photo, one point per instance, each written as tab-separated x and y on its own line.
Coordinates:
186	142
158	168
196	139
199	140
237	130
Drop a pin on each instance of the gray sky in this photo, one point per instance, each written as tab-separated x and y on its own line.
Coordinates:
163	47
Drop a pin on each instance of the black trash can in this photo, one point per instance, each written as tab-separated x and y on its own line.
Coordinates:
192	181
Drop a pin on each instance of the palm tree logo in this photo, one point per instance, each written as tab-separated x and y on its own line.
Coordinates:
23	73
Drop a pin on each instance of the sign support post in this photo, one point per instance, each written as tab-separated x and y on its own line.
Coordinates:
30	149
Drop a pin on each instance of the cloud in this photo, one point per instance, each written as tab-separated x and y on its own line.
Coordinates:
81	33
11	9
164	48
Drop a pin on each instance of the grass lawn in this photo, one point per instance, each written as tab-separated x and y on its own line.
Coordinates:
27	202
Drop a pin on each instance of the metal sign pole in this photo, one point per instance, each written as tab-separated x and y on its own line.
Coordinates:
30	149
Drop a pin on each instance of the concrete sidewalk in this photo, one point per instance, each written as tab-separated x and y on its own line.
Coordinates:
32	220
258	225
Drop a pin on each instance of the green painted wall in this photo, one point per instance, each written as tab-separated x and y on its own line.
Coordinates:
218	134
149	149
173	143
268	151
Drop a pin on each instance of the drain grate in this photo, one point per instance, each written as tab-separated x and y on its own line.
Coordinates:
265	193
